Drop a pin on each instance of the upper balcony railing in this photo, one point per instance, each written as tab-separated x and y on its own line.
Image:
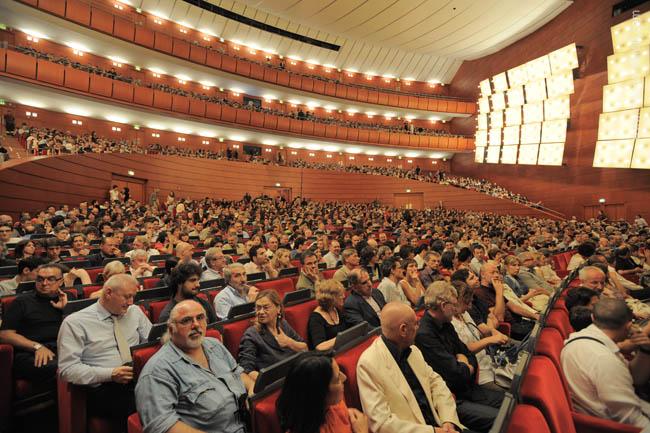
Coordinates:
48	73
188	44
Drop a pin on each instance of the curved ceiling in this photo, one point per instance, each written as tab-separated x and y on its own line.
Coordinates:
420	39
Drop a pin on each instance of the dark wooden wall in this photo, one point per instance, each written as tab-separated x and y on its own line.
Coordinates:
576	184
34	184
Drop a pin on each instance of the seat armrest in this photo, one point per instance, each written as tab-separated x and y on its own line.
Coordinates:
591	424
72	407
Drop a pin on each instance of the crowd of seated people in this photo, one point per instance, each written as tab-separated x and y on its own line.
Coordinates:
299	114
496	265
57	142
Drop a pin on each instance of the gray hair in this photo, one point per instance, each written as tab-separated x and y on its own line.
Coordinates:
119	280
227	271
138	253
582	274
439	292
113	268
211	252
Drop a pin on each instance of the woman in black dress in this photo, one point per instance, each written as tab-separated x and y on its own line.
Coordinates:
325	322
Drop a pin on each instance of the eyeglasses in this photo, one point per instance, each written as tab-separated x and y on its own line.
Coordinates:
41	280
186	321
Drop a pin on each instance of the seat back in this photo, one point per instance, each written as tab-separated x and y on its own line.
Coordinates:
347	362
542	387
88	290
329	273
141	354
298	316
550	344
281	285
93	273
150	282
233	331
527	419
263	413
156	307
559	320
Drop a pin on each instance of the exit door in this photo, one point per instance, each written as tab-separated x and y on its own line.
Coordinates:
409	200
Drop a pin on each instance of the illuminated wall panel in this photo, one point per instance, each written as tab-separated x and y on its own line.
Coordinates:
531	133
528	154
516	96
554	131
564	59
509	155
623	96
479	154
493	153
641	155
557	108
513	116
533	112
614	153
550	153
527	105
560	84
500	82
495	136
631	64
644	123
510	135
618	125
631	34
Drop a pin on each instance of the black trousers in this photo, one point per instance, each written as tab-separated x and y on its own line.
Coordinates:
478	408
112	401
43	376
519	329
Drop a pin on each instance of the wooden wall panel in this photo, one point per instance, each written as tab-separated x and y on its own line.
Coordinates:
75	178
575	184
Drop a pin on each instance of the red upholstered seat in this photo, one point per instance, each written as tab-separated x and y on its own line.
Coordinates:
264	416
232	333
93	273
525	419
134	425
141	356
550	344
88	290
282	286
156	308
72	411
542	387
296	264
298	316
347	362
559	320
329	273
150	282
5	302
214	333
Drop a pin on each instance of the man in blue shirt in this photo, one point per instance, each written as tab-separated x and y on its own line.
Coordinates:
236	292
192	382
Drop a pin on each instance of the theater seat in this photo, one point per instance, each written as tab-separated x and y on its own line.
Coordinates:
347	362
282	286
329	273
526	419
72	411
542	387
263	413
134	425
6	381
93	273
232	332
150	282
298	316
88	290
559	320
156	307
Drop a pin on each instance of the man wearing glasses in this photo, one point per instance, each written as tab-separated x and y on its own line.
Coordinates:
213	264
31	325
196	382
364	302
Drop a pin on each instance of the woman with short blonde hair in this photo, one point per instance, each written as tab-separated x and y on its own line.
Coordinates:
325	321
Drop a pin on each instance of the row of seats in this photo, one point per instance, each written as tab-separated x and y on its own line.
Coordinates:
541	402
106	22
21	65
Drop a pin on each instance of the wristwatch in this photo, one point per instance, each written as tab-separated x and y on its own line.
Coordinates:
37	346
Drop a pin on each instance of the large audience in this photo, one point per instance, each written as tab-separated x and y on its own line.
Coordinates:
56	142
300	113
467	273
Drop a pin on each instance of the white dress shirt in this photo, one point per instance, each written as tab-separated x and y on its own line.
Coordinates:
599	379
87	348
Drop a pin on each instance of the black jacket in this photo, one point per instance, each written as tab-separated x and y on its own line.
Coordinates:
356	309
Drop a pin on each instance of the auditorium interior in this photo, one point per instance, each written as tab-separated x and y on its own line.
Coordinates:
434	198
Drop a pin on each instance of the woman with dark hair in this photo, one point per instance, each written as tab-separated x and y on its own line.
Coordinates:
271	338
24	249
447	263
312	400
411	284
368	260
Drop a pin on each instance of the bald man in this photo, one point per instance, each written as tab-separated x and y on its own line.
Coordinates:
209	388
399	392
